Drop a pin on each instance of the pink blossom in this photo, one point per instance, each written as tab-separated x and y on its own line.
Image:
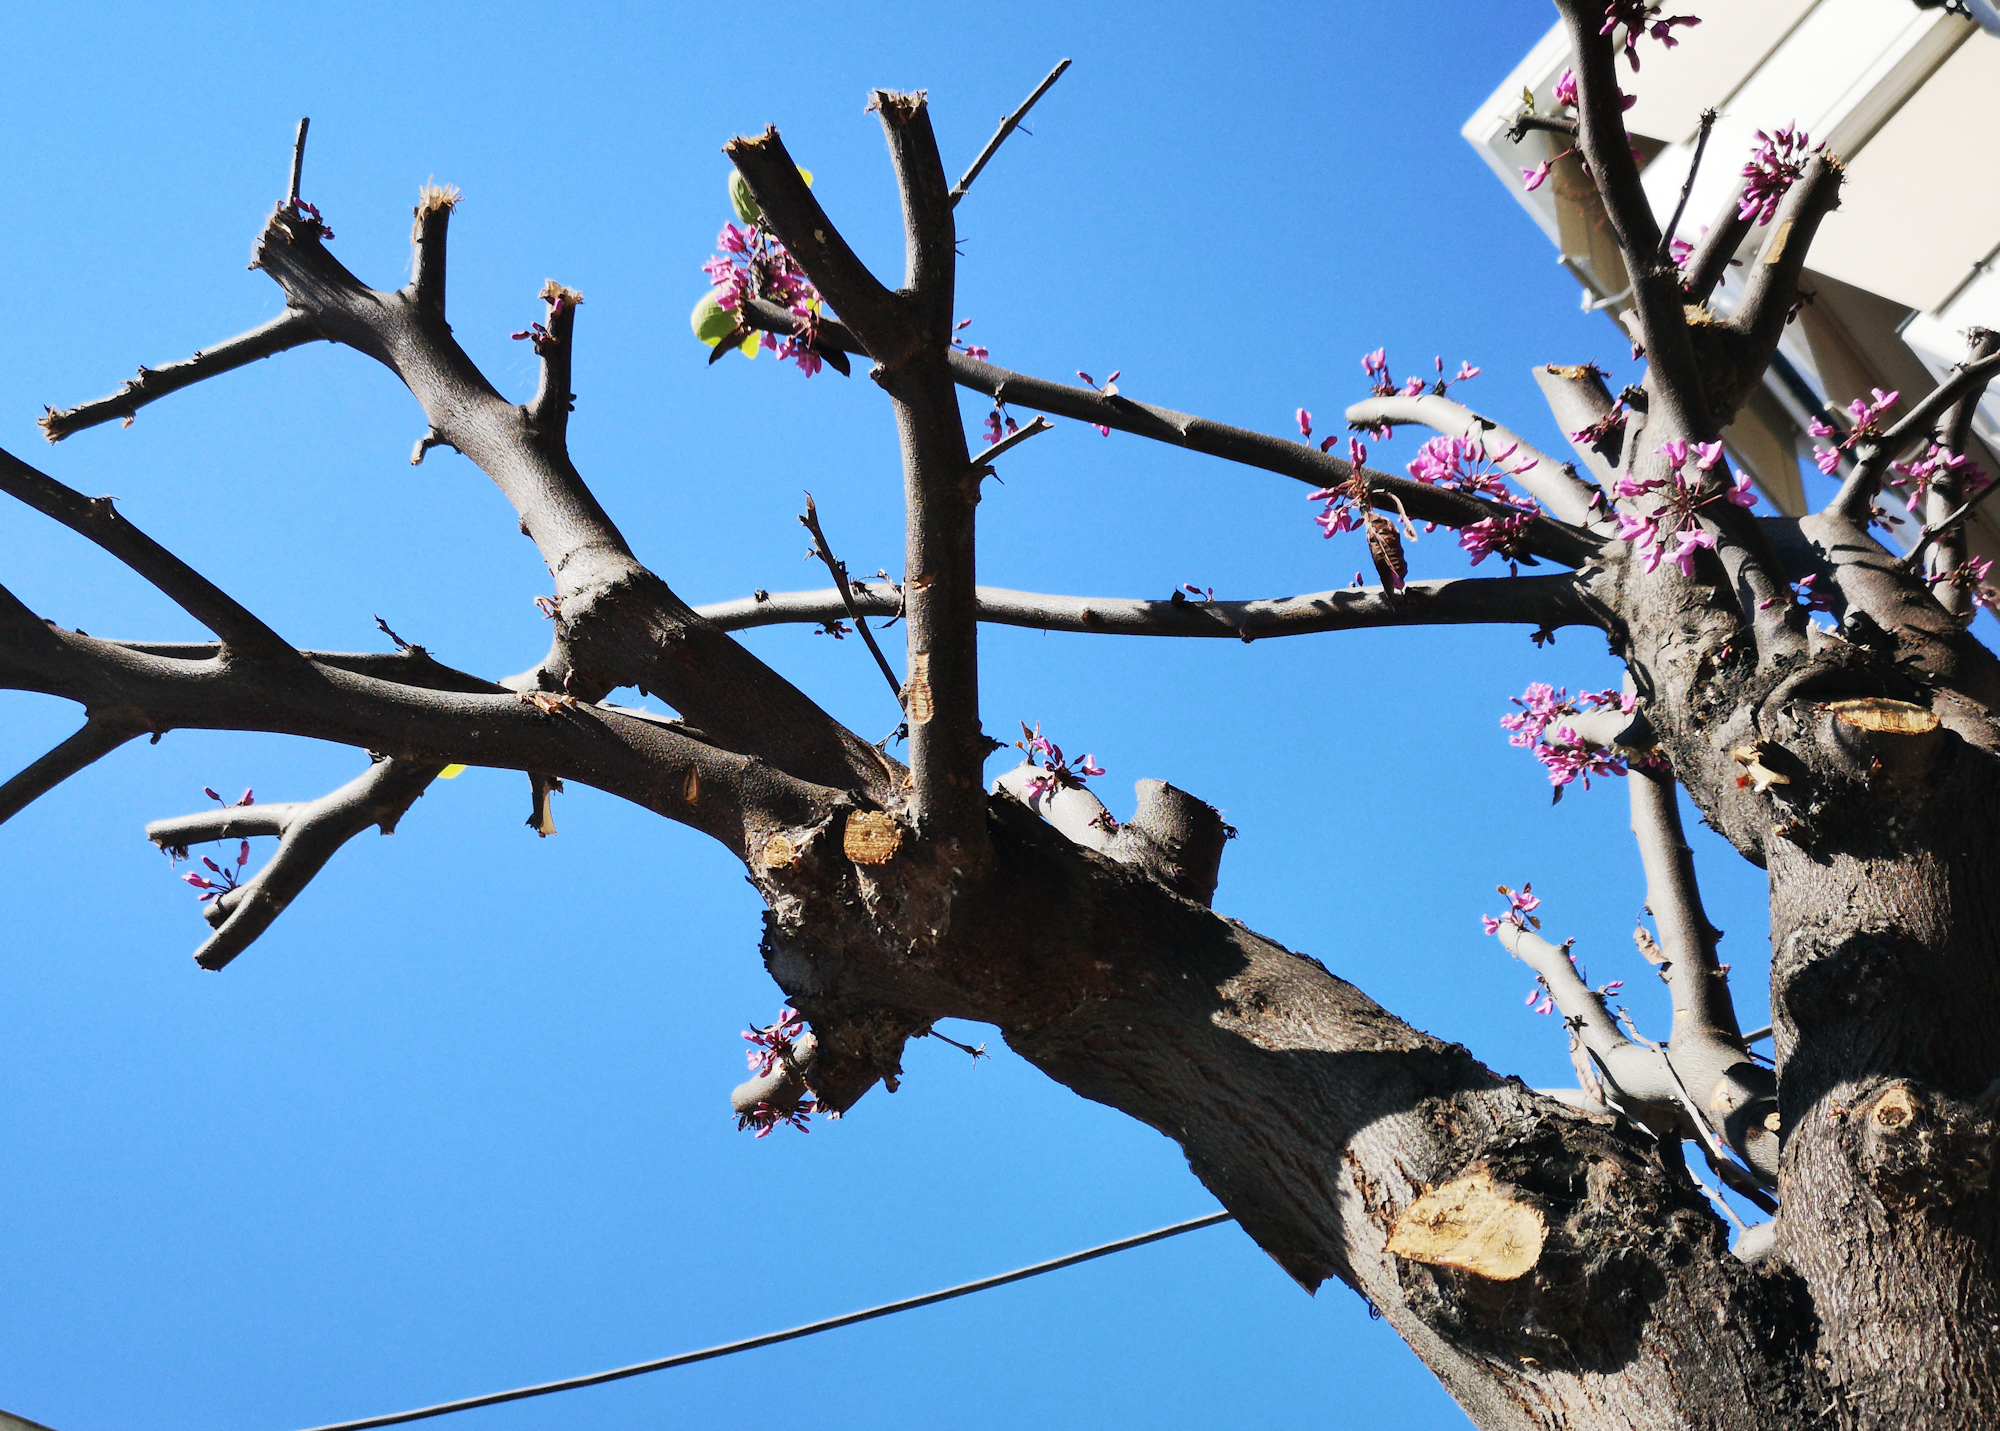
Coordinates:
1058	772
1305	423
1689	540
1565	92
776	1044
1771	172
1502	536
1376	362
1640	18
1533	179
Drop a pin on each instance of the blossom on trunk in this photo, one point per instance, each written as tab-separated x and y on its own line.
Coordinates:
1779	161
1671	529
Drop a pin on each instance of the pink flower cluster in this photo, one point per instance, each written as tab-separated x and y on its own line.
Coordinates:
999	423
1638	17
1376	366
1867	415
1598	431
1683	493
775	1044
1346	504
1520	911
226	877
1505	537
1565	755
770	1049
1462	464
1914	478
752	263
1058	771
1970	576
1771	172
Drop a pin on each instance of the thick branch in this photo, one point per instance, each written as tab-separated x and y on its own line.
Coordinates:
288	330
1566	496
878	319
1579	401
1771	289
97	518
1545	602
97	739
1656	289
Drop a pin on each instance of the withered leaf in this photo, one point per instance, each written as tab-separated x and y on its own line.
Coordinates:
1385	547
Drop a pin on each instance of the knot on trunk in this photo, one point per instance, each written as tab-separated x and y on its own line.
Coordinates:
1922	1150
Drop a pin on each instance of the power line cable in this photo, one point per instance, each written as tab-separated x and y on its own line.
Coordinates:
598	1378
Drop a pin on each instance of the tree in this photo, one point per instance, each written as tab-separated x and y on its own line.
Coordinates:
1551	1259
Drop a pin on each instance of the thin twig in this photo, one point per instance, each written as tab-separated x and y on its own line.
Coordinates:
1007	127
1013	440
810	521
298	164
1687	188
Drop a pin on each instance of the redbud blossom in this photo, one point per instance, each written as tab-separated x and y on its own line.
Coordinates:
1771	172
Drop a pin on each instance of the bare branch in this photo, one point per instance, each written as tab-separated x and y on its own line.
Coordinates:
1633	1079
1007	127
1544	602
549	409
1771	288
97	739
289	329
309	835
1666	253
1709	263
298	163
1012	440
429	233
1557	488
97	518
1545	538
664	766
844	587
1734	1094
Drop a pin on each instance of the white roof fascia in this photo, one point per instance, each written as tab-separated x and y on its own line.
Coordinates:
1486	131
1843	72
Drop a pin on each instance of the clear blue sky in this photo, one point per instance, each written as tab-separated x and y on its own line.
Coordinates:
459	1121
